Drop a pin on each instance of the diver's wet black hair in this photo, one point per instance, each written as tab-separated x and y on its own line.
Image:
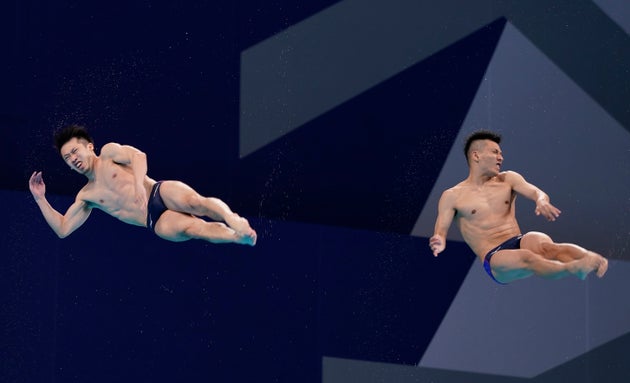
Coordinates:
68	132
480	135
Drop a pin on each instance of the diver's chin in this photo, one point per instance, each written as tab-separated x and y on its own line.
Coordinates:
492	174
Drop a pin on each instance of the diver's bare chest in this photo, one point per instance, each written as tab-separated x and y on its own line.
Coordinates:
478	203
113	178
109	185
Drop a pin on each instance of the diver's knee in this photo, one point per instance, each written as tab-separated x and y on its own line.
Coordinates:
549	248
194	201
536	236
529	257
534	241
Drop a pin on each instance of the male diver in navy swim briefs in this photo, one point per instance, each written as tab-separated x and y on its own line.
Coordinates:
483	207
118	184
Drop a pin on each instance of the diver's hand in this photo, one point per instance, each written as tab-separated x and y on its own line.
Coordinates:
437	244
37	185
546	209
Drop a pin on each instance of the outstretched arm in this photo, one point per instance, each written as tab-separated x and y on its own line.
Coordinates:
446	212
62	225
527	190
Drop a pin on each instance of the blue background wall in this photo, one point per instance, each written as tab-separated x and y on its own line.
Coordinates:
336	272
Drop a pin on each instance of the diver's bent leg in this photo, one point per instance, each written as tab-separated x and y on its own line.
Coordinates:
515	264
180	197
542	244
215	232
176	226
567	252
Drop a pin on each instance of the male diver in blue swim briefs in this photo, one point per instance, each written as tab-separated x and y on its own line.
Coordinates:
118	184
483	207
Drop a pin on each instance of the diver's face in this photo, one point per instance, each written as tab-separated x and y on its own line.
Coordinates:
77	153
490	157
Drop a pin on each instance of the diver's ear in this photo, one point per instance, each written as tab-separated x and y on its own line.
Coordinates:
90	146
474	155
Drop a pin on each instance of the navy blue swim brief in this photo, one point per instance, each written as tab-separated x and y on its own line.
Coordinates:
155	206
510	244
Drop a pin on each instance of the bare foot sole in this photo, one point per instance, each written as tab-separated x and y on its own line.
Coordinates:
248	238
599	263
602	266
585	265
239	224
